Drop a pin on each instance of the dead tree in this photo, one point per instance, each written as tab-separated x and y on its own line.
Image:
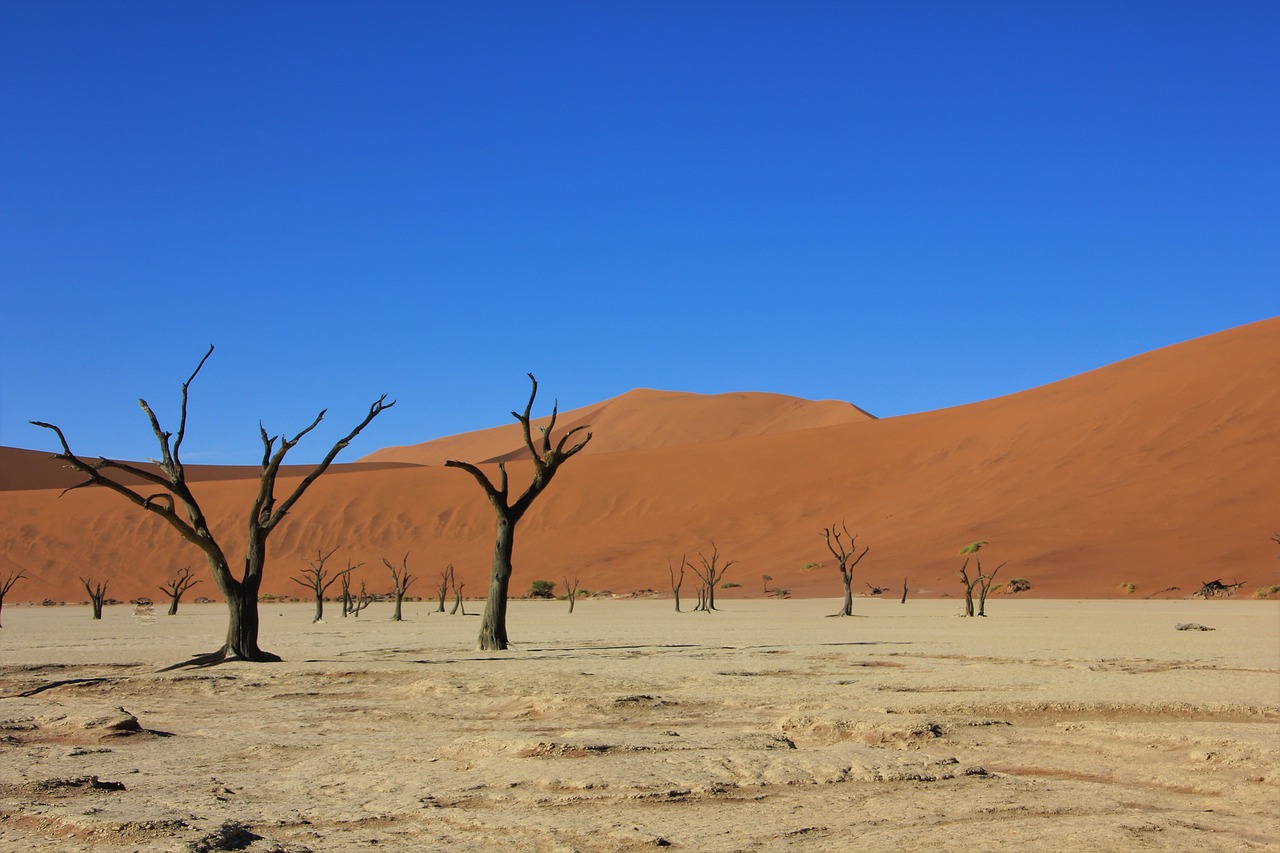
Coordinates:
7	584
710	573
446	581
677	581
97	595
400	579
175	587
361	601
314	579
984	585
571	590
178	506
847	557
547	459
458	605
344	580
904	591
1216	588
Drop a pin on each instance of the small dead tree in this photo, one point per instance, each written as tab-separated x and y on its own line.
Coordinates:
361	601
344	580
1217	589
175	587
571	591
458	604
97	595
265	514
843	545
677	581
315	578
904	591
980	581
547	459
446	582
710	573
400	579
7	584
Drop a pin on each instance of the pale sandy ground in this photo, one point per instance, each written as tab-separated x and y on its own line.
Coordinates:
1050	725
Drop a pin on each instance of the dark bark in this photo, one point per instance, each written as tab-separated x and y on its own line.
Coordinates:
710	573
446	581
400	579
265	514
547	459
175	587
677	582
314	579
847	558
984	586
904	591
97	595
571	590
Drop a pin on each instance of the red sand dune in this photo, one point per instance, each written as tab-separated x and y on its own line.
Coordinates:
1160	470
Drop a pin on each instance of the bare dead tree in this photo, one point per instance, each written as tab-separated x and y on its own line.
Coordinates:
904	591
710	573
7	584
459	605
175	587
547	459
677	581
315	578
571	590
984	585
344	580
265	514
360	601
400	579
446	581
1216	589
97	594
847	557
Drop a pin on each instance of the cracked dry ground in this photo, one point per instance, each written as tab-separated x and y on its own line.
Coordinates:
761	729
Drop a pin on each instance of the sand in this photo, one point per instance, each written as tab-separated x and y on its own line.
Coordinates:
1050	725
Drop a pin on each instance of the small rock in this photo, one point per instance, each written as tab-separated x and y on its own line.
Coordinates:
1191	626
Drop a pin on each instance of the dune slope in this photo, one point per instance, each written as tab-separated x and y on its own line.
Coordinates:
1158	471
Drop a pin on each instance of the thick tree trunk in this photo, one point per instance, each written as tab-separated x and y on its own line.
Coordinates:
848	594
493	624
395	617
319	605
173	604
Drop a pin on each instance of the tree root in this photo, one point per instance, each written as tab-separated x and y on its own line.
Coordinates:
221	656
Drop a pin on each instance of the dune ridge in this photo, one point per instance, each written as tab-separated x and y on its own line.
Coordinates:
1158	471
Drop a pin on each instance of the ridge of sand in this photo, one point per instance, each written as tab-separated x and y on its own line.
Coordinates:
1158	471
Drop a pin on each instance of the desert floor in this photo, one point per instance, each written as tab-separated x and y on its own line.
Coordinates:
1050	725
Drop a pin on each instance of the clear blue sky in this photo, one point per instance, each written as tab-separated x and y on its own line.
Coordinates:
906	205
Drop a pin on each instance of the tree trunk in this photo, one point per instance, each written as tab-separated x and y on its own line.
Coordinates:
493	624
173	604
395	617
97	608
319	605
847	577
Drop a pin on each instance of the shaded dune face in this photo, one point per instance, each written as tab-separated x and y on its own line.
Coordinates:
1159	471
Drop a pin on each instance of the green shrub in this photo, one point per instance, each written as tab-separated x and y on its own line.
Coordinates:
1128	587
729	585
1266	591
1017	585
542	589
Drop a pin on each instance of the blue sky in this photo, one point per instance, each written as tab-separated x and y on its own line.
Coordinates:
906	205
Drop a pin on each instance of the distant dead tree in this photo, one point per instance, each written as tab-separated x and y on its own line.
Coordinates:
400	580
904	591
175	587
571	590
981	581
446	581
316	578
97	594
547	459
847	557
265	514
7	584
1217	589
458	604
677	581
344	581
361	601
710	573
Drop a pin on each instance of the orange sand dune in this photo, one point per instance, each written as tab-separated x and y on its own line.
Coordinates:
641	419
1159	471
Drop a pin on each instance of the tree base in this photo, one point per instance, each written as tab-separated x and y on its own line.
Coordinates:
223	656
